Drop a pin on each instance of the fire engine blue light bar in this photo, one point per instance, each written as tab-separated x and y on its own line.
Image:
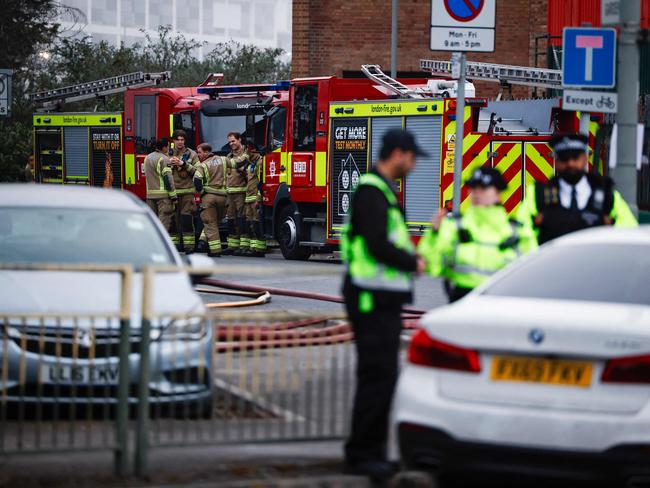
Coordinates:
215	90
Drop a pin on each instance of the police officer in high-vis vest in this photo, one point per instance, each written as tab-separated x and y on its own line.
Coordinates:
466	250
573	199
381	260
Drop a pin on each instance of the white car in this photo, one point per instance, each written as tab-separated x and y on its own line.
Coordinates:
75	361
543	369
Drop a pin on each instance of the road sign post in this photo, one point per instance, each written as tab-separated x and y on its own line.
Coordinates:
462	26
460	125
627	117
5	92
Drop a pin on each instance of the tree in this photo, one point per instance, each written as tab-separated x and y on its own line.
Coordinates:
76	60
25	27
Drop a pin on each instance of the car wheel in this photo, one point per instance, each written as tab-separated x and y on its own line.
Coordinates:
289	236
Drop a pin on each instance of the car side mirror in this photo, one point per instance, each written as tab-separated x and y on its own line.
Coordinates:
200	266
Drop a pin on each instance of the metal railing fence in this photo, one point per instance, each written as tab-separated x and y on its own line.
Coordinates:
142	379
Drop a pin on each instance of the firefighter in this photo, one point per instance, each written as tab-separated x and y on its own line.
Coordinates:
466	250
253	232
210	178
381	260
29	169
161	193
183	161
238	159
573	199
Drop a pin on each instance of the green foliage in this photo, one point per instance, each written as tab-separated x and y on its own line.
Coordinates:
25	26
68	61
15	146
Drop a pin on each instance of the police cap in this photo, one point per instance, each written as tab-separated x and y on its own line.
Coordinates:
485	177
569	146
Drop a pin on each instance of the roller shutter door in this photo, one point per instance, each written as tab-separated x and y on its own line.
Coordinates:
422	188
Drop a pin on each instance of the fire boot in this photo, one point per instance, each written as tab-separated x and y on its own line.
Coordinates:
233	239
258	244
187	223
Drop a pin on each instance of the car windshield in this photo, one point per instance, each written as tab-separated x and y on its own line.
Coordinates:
594	272
73	235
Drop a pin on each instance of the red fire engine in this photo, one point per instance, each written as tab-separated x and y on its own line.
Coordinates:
317	136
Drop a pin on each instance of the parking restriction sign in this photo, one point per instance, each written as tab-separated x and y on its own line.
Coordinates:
463	25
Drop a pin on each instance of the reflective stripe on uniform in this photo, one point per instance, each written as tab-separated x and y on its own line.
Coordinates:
215	191
237	189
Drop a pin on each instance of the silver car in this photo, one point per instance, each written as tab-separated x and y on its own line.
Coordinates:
67	360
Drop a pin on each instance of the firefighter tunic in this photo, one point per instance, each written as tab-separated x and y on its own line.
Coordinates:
236	196
252	237
183	181
210	179
160	187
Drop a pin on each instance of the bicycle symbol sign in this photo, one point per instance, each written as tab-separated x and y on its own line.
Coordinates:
464	10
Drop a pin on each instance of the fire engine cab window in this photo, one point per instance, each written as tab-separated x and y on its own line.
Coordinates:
277	128
73	235
145	123
304	118
185	121
215	129
595	272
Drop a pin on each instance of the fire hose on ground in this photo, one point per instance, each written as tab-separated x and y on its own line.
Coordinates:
281	334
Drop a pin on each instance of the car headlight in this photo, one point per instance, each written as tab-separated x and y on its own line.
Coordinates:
190	329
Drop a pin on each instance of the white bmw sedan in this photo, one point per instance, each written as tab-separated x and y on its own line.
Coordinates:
545	369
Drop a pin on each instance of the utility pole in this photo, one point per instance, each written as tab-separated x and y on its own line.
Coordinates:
627	117
393	41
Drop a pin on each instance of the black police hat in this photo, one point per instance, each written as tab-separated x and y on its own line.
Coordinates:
569	146
485	177
400	139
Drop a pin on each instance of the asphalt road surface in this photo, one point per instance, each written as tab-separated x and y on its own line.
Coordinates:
321	274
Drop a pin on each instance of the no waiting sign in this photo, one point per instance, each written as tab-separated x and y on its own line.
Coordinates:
463	25
5	92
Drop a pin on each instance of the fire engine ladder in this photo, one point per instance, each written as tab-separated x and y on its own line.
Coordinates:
374	72
505	74
54	99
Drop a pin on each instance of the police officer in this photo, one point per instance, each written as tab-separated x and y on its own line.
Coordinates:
381	260
161	194
210	178
466	250
238	158
573	199
183	161
252	241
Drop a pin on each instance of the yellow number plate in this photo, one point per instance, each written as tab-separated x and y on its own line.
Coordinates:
540	370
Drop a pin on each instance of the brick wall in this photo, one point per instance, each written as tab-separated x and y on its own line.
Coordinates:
336	35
